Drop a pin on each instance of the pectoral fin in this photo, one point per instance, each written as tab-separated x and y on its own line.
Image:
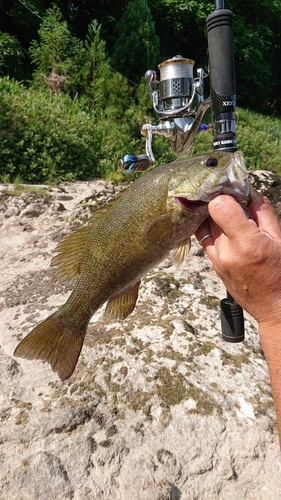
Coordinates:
180	253
162	227
120	307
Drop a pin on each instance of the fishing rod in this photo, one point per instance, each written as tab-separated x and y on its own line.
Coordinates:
178	100
223	103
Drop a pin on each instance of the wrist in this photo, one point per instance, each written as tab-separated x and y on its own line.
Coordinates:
270	335
267	312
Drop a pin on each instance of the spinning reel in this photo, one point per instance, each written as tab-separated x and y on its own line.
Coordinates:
178	99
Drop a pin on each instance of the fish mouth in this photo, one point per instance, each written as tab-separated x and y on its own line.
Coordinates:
237	183
239	190
189	205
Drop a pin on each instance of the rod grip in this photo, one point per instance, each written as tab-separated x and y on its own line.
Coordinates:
232	321
222	78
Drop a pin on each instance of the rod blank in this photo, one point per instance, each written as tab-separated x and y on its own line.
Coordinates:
219	4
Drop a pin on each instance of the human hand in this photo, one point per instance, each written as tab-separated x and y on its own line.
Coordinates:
246	253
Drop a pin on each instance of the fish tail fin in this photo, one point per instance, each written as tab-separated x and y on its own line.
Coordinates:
55	342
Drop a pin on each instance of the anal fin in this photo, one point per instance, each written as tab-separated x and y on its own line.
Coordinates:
120	307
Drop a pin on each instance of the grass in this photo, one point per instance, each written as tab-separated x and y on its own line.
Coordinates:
19	189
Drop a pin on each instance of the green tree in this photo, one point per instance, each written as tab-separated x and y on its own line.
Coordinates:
82	67
137	47
181	27
128	25
57	53
96	69
12	56
257	53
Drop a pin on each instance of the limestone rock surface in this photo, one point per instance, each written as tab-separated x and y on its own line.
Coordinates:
159	406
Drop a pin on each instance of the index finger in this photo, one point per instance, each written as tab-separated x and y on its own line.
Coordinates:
264	215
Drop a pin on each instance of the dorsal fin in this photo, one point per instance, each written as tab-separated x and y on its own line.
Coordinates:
70	249
180	253
68	259
120	307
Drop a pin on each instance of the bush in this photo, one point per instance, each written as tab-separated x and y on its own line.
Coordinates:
259	137
47	138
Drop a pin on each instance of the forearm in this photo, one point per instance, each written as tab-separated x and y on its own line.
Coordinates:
270	335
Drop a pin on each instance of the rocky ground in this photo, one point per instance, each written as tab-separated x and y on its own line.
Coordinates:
159	406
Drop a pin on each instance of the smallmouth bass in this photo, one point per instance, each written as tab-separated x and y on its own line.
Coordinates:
156	215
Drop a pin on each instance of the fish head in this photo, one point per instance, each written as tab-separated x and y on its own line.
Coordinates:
198	180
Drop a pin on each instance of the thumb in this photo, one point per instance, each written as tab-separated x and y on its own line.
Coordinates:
228	215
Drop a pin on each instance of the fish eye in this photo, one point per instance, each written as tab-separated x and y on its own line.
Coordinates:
211	162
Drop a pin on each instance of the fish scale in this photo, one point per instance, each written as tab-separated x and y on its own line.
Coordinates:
155	215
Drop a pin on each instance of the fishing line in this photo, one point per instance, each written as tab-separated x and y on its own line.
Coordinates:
74	43
147	33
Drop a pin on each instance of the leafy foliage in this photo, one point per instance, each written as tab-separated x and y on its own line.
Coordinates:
137	46
12	55
180	26
84	125
57	52
40	140
259	137
47	137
